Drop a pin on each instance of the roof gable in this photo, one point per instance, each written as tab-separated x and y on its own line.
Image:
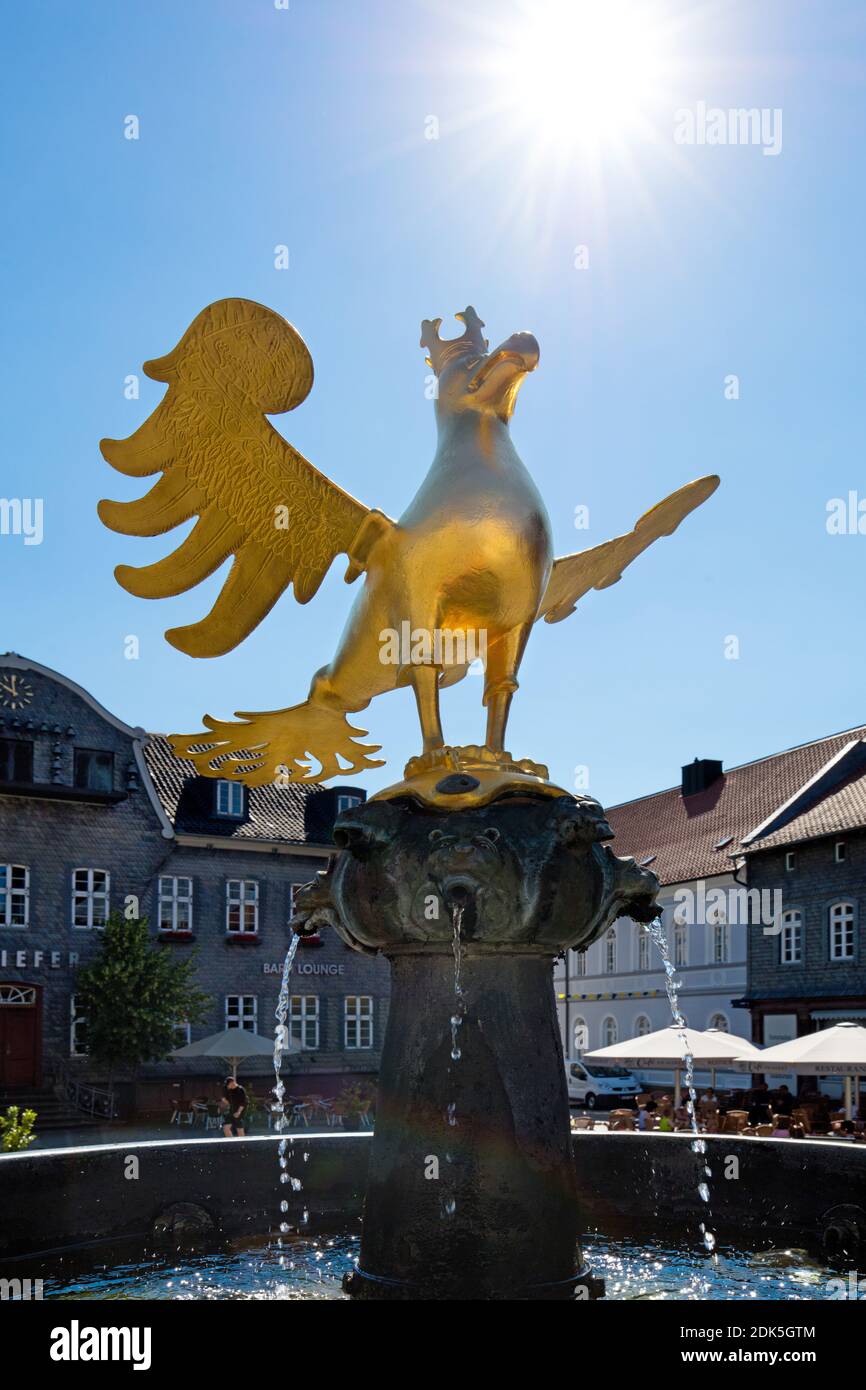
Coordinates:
683	832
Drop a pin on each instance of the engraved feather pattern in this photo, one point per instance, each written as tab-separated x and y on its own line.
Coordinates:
256	497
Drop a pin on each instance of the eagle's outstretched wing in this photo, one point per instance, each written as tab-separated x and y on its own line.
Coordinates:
573	575
255	497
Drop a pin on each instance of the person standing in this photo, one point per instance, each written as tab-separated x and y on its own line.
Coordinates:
235	1101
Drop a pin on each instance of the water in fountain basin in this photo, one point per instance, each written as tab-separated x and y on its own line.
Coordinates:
699	1147
281	1039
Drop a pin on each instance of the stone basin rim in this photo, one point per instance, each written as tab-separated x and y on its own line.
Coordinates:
69	1149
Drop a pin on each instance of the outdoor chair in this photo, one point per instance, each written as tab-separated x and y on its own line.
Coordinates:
213	1119
182	1114
621	1119
582	1122
322	1109
301	1113
735	1121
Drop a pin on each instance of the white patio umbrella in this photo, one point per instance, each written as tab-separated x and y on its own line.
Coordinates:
233	1045
837	1051
665	1050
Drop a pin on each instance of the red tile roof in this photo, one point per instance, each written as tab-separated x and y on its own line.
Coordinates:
682	832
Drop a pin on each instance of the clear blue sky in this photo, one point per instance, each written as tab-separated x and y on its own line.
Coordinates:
307	127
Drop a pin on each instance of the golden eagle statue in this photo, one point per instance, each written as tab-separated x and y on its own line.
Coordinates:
462	575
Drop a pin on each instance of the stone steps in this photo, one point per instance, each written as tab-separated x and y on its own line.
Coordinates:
52	1111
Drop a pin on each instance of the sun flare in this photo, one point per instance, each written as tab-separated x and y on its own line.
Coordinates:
580	72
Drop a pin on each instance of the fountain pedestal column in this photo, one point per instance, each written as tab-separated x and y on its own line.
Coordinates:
471	1192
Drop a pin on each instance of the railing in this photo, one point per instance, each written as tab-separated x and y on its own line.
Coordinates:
96	1101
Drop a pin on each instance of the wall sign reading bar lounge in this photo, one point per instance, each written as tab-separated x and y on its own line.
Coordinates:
305	968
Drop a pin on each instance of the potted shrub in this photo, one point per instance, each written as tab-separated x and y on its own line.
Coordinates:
16	1129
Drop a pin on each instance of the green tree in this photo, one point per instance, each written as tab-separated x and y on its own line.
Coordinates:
133	995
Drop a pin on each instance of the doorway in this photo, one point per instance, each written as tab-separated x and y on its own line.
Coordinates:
20	1040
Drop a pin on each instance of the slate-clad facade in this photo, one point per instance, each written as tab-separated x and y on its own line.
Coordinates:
94	812
810	970
765	853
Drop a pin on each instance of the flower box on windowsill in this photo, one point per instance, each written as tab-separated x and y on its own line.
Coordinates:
176	936
243	938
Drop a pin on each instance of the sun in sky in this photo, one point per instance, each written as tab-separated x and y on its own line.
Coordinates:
583	73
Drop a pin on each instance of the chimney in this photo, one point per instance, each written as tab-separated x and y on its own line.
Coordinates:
700	775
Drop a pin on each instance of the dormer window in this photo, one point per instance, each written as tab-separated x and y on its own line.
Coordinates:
16	760
345	802
230	799
94	770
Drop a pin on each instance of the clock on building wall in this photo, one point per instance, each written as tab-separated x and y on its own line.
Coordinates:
15	692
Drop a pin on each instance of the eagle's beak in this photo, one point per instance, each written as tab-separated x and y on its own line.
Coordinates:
516	356
499	377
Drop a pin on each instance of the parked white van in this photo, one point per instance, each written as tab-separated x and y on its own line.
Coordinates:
590	1085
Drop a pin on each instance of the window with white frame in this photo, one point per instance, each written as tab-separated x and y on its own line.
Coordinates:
681	944
345	802
90	893
610	952
77	1030
175	904
579	958
609	1031
358	1021
643	947
791	938
242	905
720	1023
242	1011
840	851
642	1026
14	895
790	861
304	1020
720	943
230	799
842	931
182	1033
294	890
580	1036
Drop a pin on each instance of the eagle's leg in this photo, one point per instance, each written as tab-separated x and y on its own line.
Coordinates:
503	659
425	683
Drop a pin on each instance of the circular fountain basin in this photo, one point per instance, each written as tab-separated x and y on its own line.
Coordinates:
200	1219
